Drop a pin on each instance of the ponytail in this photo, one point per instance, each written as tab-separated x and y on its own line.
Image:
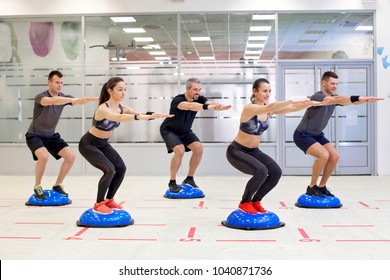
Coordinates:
110	84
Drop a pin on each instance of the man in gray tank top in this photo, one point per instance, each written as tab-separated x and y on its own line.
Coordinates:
309	136
41	137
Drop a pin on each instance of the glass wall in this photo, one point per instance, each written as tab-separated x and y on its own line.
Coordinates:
156	54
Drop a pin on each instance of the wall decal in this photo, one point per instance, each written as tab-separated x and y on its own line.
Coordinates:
41	37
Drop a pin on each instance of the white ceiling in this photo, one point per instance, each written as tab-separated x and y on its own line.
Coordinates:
299	35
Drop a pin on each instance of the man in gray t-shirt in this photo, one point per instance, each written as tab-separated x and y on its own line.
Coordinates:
41	137
309	136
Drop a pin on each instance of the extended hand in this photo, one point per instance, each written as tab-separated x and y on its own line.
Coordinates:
162	116
219	107
370	99
319	103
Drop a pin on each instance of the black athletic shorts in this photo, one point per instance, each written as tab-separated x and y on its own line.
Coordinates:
54	144
172	139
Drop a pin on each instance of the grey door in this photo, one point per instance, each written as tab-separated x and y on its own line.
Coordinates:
351	128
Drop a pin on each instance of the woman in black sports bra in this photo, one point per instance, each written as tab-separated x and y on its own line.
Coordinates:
244	153
94	146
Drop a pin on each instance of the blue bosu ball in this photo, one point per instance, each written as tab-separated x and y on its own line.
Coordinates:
239	219
308	201
53	198
188	191
92	218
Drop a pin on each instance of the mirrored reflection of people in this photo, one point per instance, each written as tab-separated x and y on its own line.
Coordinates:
244	153
309	136
41	137
178	135
96	149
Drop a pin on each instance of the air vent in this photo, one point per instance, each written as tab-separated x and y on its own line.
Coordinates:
315	32
307	41
153	26
349	24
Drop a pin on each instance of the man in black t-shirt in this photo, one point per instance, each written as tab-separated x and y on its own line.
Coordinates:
178	135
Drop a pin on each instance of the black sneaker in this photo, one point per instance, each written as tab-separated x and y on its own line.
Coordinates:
326	191
314	191
174	188
39	193
60	189
190	182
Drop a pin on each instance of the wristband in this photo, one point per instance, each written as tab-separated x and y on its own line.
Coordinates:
354	98
136	117
149	113
205	106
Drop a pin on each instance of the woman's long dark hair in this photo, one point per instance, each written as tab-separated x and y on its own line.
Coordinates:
110	84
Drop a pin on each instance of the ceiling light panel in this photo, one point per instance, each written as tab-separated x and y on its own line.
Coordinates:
200	39
143	39
134	30
263	17
260	28
123	19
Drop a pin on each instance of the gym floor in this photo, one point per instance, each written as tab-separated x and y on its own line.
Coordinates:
190	229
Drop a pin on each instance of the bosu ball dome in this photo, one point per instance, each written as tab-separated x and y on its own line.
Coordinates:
309	201
92	218
187	191
53	198
239	219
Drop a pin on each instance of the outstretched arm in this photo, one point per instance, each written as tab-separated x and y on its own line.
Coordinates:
209	105
61	100
366	99
137	115
83	100
346	100
300	105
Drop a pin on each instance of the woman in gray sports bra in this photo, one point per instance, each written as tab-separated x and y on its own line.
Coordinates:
96	149
244	153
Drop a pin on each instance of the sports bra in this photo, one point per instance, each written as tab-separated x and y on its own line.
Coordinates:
254	126
106	125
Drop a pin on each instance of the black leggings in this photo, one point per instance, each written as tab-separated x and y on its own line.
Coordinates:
266	172
102	155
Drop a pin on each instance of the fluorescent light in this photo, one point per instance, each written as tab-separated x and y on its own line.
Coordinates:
123	19
255	45
263	17
260	28
251	57
206	57
120	59
257	38
157	53
143	39
133	67
162	58
152	47
134	30
364	28
253	52
200	39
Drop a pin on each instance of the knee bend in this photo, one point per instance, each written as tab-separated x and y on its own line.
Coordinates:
43	158
121	169
334	157
261	173
179	151
198	150
324	157
70	158
276	172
